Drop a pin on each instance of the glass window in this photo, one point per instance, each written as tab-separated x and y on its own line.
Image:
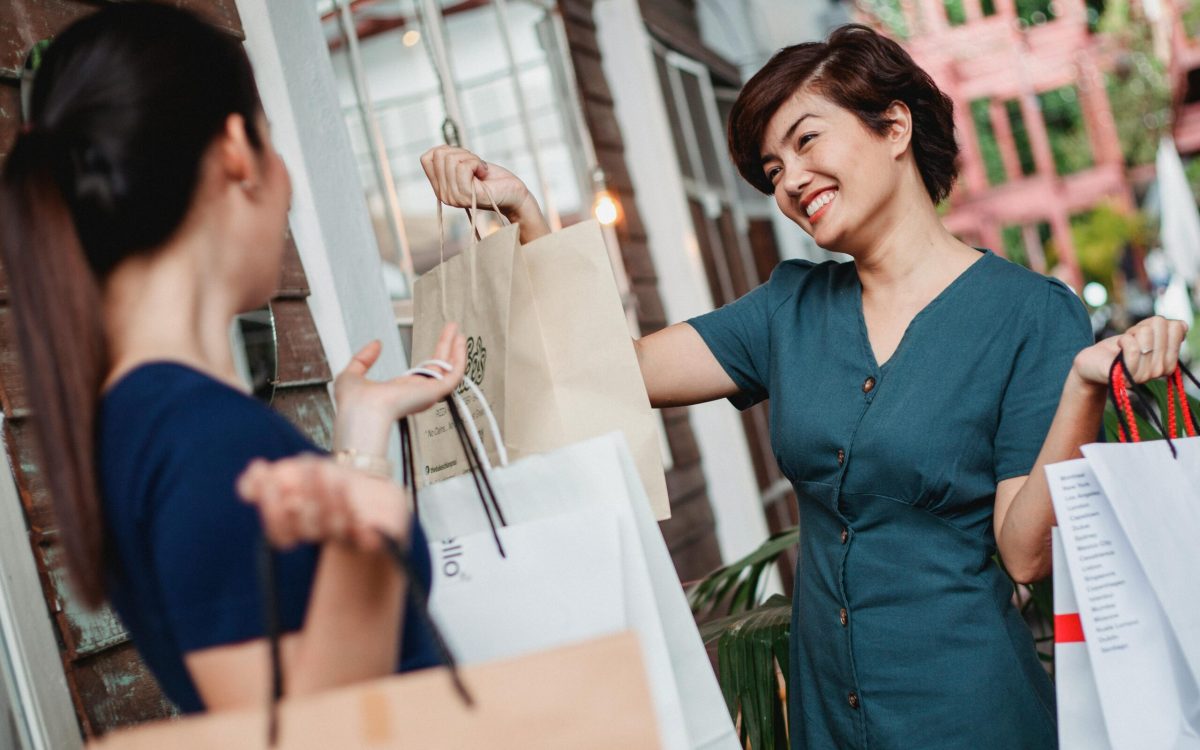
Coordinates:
399	66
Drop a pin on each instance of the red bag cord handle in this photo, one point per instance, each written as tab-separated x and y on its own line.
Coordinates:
1120	383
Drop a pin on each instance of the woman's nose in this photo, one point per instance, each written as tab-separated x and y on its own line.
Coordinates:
795	180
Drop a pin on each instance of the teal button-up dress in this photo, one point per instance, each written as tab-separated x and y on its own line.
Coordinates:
904	634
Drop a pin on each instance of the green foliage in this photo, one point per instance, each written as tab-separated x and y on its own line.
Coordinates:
1014	245
740	583
1066	130
1016	121
889	13
37	52
752	640
1034	12
1139	90
752	658
1100	237
956	14
989	149
1190	18
1192	170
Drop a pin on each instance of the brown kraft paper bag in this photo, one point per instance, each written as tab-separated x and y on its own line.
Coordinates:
597	381
587	696
486	290
549	345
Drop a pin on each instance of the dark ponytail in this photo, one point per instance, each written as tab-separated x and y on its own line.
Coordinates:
125	106
56	304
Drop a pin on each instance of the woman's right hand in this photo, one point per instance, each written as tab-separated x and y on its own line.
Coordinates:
453	172
310	498
367	409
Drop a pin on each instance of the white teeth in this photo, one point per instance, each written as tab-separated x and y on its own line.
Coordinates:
820	202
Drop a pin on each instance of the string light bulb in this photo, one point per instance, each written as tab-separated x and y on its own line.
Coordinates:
605	206
605	209
411	38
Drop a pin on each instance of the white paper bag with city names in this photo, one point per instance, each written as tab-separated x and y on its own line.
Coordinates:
1155	495
486	290
1080	720
1147	694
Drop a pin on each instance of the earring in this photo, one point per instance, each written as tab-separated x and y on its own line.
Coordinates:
248	187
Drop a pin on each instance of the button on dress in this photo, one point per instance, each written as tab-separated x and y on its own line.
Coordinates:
903	630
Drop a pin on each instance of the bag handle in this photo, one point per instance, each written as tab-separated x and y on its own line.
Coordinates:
478	463
1121	382
475	236
467	438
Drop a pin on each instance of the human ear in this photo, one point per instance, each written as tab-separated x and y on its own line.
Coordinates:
899	132
236	154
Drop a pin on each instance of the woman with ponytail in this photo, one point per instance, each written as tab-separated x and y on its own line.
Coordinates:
141	208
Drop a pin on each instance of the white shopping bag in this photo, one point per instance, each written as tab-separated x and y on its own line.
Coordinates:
559	583
1146	690
1080	720
1155	494
578	481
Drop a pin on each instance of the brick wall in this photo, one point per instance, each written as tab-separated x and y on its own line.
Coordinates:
109	684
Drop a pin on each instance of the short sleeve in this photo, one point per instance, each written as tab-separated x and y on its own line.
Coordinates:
205	541
1058	330
739	334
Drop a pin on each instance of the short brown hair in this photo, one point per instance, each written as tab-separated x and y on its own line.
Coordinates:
859	70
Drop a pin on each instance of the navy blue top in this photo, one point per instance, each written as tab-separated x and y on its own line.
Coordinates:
171	441
904	634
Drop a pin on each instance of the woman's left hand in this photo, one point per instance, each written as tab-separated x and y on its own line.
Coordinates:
367	409
1151	350
311	499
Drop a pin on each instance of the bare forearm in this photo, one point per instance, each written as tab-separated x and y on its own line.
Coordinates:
529	217
354	617
1024	535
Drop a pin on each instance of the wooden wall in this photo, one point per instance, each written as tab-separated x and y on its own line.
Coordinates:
107	680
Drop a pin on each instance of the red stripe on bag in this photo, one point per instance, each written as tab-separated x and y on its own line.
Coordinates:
1068	629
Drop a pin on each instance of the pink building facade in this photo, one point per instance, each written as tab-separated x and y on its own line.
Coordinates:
1000	62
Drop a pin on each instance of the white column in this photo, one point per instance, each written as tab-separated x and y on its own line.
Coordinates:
329	219
641	112
32	681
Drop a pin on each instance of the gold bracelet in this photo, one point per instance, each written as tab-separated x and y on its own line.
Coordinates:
373	465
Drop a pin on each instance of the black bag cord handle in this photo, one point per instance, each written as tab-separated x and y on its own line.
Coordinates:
487	495
399	554
1120	382
407	470
269	582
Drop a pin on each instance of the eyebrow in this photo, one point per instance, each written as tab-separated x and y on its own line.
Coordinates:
787	136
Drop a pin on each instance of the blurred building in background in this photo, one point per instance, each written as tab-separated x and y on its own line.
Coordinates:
1062	107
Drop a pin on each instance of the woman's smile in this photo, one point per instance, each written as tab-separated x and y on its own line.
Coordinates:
817	206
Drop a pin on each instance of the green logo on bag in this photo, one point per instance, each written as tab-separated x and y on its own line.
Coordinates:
476	362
